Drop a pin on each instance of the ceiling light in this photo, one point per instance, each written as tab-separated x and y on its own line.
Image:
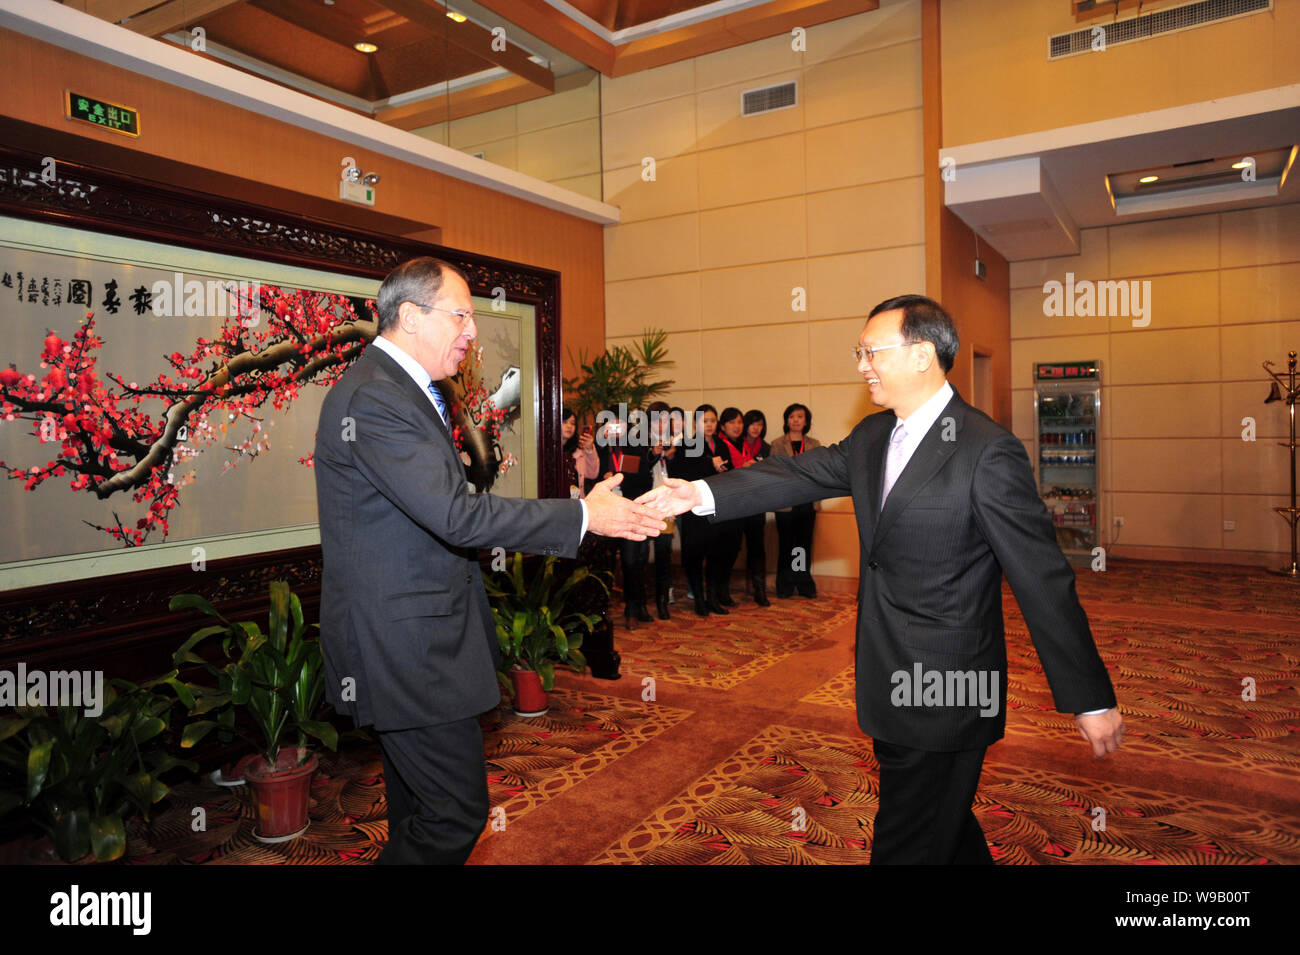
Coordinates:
364	47
458	17
1148	179
1242	165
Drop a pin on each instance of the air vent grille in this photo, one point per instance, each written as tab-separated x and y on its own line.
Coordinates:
1154	24
781	96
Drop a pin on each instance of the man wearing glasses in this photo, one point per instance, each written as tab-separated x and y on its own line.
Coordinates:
409	641
945	505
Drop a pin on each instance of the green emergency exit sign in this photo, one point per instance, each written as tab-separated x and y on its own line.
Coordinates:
114	116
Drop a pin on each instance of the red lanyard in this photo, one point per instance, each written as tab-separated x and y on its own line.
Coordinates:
617	457
802	444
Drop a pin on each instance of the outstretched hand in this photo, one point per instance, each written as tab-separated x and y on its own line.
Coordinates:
1104	731
611	515
671	498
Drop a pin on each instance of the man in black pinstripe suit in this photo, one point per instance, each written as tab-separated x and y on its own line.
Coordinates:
945	504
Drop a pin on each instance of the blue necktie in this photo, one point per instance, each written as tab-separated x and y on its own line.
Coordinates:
438	402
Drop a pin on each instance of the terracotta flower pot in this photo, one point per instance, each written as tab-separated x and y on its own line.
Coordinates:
530	698
282	794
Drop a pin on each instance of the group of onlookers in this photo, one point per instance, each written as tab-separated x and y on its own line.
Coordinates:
705	444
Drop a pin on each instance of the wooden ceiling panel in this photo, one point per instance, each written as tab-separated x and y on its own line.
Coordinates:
621	14
257	34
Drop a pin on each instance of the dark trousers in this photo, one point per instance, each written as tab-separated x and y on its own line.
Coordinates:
436	781
697	534
925	816
722	553
663	547
753	528
633	555
794	530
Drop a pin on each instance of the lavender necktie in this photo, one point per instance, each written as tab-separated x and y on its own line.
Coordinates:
893	462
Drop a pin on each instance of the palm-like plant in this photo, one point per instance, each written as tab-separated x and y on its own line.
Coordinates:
620	375
534	628
278	677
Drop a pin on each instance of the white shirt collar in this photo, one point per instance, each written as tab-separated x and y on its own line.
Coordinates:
919	422
408	363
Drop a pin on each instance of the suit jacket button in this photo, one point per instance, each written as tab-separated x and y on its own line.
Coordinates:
874	565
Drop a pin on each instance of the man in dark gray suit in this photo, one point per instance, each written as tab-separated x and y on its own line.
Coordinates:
945	505
409	642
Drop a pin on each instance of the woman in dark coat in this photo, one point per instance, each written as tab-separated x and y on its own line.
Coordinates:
726	534
702	458
794	525
753	450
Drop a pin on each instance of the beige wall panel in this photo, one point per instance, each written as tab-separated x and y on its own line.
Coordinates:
751	61
759	232
854	284
670	302
1091	263
893	23
836	547
660	130
1259	236
1242	399
751	295
647	86
561	152
718	121
1028	320
1173	301
657	247
437	132
1163	246
1025	353
503	152
867	150
483	127
877	216
1143	356
1259	527
558	109
832	357
1170	520
837	409
752	172
1246	347
1166	465
1163	411
1265	293
1256	467
584	185
1022	416
865	84
736	357
675	189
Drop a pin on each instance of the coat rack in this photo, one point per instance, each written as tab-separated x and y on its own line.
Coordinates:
1287	391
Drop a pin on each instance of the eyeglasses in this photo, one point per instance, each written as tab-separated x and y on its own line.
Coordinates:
462	317
863	351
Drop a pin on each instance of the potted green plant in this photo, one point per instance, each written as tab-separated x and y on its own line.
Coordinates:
277	678
620	375
536	630
81	777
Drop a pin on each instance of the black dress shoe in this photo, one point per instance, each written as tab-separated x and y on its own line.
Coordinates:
715	607
661	604
808	590
726	600
643	615
760	592
701	607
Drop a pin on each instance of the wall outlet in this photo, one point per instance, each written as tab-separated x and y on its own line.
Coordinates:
1119	522
1229	525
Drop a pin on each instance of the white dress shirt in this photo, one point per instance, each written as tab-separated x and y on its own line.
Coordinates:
422	378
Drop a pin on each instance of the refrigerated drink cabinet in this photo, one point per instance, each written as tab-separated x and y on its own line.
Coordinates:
1067	423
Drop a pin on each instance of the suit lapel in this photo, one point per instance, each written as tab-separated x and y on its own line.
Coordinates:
931	454
418	398
874	465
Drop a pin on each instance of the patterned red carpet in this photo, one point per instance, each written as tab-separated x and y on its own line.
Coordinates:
733	741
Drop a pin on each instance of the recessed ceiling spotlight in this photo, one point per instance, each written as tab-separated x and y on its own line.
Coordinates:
458	17
1242	165
1148	179
364	47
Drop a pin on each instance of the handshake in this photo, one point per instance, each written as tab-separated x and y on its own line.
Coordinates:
612	515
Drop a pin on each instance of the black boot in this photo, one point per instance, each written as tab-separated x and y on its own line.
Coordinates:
714	604
661	604
643	615
697	589
760	591
722	590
